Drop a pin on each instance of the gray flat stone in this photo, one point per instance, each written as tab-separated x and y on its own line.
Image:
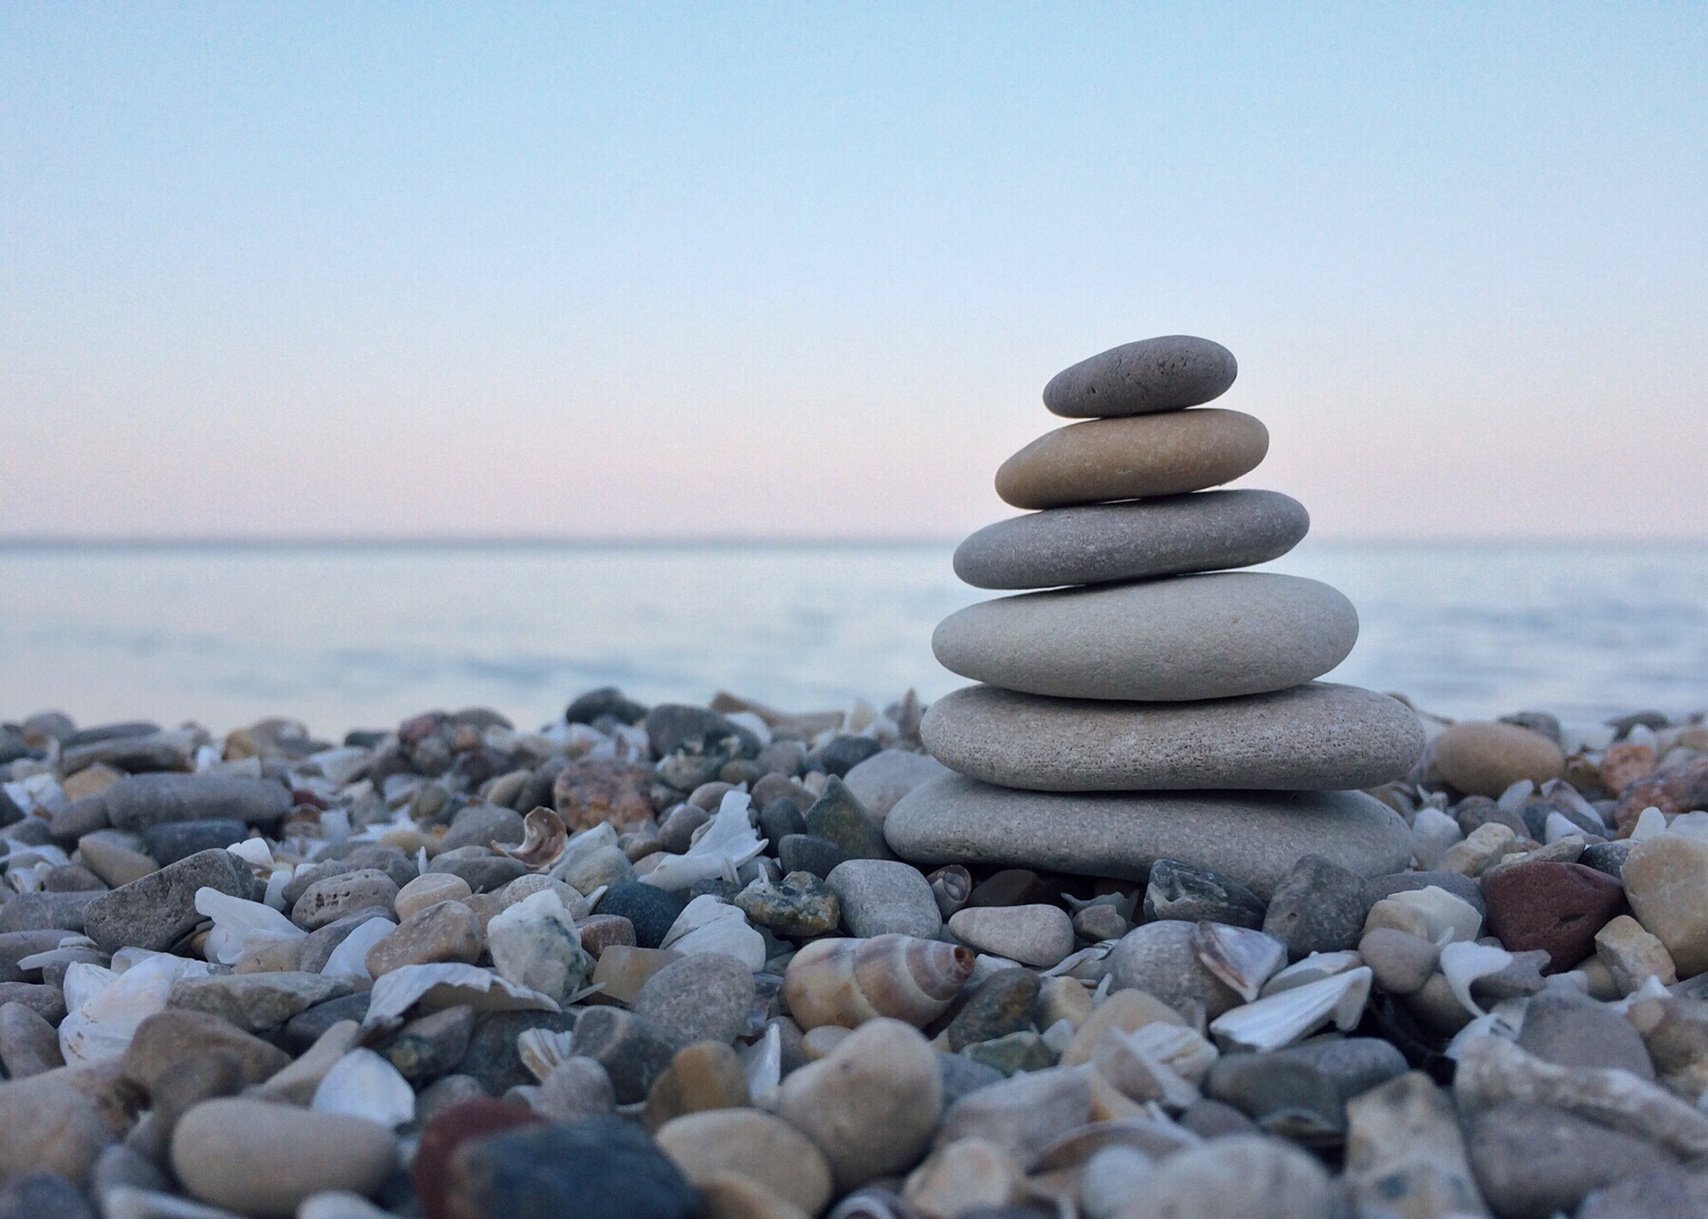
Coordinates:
1160	374
1253	838
1097	543
1315	737
1176	639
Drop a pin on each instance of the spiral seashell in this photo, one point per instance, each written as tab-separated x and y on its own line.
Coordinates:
544	837
951	887
848	982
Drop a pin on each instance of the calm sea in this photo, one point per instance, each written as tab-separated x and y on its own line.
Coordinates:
347	636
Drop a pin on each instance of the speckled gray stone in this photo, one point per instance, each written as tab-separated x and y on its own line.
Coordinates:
1160	374
1315	737
1253	838
1170	640
1097	543
879	896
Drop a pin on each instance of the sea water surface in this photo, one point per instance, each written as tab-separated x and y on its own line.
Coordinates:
345	636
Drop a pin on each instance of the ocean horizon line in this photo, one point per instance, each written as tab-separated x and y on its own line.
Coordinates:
641	542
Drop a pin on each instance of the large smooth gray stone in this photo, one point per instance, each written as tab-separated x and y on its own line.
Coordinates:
1251	837
1315	737
1160	374
1170	640
1097	543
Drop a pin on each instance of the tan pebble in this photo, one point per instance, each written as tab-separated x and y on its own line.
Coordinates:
623	970
753	1145
703	1076
486	907
1109	1103
1134	457
871	1106
1485	844
821	1042
409	841
1632	955
61	1120
1484	759
269	956
443	932
1666	880
728	1196
964	1174
1125	1010
428	890
265	1159
1064	999
603	931
90	781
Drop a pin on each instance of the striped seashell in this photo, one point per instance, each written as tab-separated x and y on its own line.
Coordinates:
848	982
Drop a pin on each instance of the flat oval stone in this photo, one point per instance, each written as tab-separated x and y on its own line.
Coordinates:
1172	640
1316	737
1098	543
1160	374
1110	459
1253	838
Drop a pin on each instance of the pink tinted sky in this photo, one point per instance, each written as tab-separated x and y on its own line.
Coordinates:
667	272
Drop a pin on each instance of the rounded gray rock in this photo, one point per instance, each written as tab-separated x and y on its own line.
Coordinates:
1315	737
1178	639
1141	378
881	896
1254	838
1132	540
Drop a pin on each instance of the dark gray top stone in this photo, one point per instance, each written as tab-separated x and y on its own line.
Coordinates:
1098	543
1160	374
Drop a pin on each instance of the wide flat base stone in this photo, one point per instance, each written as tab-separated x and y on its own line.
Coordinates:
1316	737
1251	837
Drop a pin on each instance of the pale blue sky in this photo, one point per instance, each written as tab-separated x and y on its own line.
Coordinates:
804	269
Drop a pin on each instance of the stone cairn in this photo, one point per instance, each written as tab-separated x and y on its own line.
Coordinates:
1154	703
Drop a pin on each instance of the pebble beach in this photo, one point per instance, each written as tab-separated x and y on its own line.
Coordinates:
662	961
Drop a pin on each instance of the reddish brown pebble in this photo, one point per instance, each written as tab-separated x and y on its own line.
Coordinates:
603	931
1678	789
472	1119
594	791
1557	907
1625	763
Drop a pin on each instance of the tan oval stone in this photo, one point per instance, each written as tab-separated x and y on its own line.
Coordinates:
1666	882
429	890
753	1145
263	1159
1484	759
1133	458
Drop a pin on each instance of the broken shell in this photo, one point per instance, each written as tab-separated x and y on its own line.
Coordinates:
848	982
543	840
1314	968
718	849
1176	1046
707	924
1140	1075
446	985
542	1049
950	886
1281	1019
362	1084
1464	962
1240	957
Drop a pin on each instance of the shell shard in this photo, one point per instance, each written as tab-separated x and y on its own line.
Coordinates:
1285	1017
709	925
847	982
1240	957
544	838
362	1084
542	1049
1463	962
719	848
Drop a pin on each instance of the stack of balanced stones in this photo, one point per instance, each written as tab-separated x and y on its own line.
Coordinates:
1153	703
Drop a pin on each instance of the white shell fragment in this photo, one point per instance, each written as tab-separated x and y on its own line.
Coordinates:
362	1084
541	1049
350	958
1240	957
1183	1049
1314	968
1281	1019
709	925
1463	963
446	985
763	1064
106	1006
241	925
1432	832
719	848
